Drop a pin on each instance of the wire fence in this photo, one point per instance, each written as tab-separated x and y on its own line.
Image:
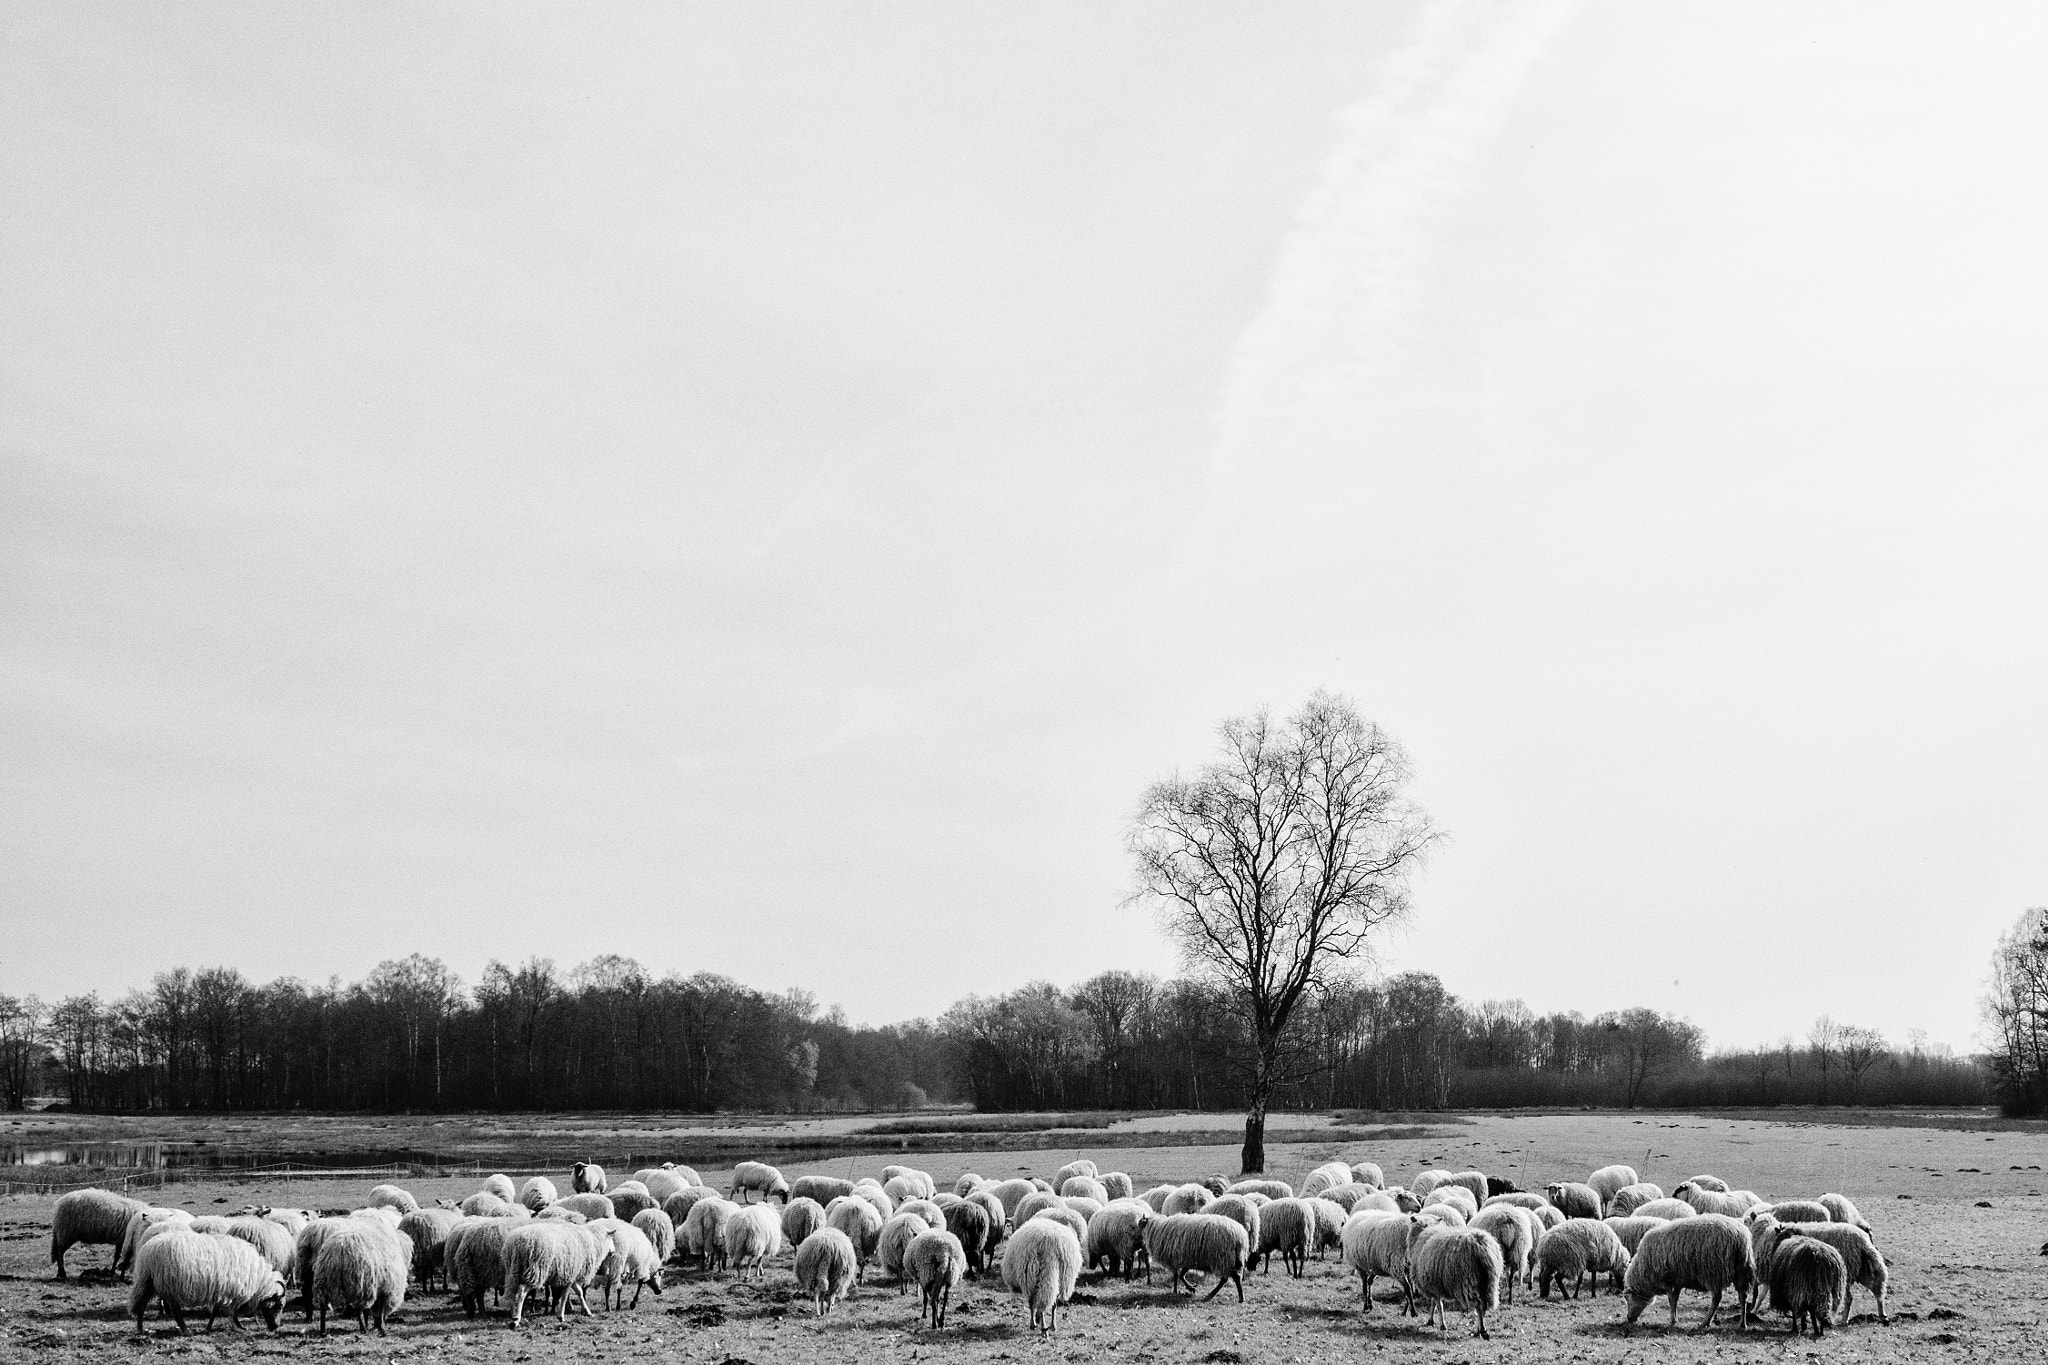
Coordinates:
64	1179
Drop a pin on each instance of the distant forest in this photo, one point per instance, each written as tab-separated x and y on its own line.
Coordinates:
609	1035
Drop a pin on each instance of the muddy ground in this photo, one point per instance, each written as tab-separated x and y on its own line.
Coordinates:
1968	1281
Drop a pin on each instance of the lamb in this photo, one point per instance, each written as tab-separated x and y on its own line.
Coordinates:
1084	1187
934	1261
589	1205
1609	1179
1461	1266
969	1223
1840	1210
1187	1199
801	1217
1241	1211
1575	1248
819	1189
825	1268
754	1233
1807	1279
391	1197
1286	1226
633	1260
1207	1243
1514	1229
1665	1209
1377	1244
1369	1173
703	1230
660	1230
1272	1189
1327	1176
1116	1236
587	1178
1573	1199
537	1193
1629	1198
561	1258
360	1268
1710	1253
139	1221
426	1230
1042	1262
862	1223
1863	1266
90	1218
630	1201
474	1257
190	1270
1116	1183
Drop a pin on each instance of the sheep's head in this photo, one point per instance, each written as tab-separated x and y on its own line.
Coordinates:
1680	1192
271	1306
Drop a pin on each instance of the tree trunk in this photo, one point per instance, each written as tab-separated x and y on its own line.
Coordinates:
1254	1160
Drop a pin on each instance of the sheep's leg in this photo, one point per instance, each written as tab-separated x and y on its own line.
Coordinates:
1220	1282
1365	1291
177	1314
377	1318
1482	1324
1713	1308
1674	1308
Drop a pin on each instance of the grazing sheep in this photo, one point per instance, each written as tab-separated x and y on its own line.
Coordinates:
678	1205
1326	1226
1406	1200
537	1193
1711	1201
1116	1183
1607	1180
968	1183
426	1230
1515	1230
922	1184
825	1269
1287	1226
1073	1221
875	1197
1573	1250
1807	1279
1084	1187
629	1201
392	1197
90	1218
1116	1236
553	1257
1031	1204
1327	1176
902	1189
1087	1208
757	1177
819	1189
754	1233
474	1257
1459	1266
997	1224
1157	1196
1215	1184
486	1204
502	1186
189	1271
1472	1182
1072	1169
1346	1197
587	1178
1425	1181
1521	1199
1501	1185
1272	1189
1369	1173
291	1220
1182	1244
862	1223
1456	1195
703	1230
1241	1211
931	1213
1864	1266
1573	1199
1379	1201
139	1221
633	1260
1840	1210
589	1205
1010	1193
801	1217
1629	1198
305	1247
1631	1230
934	1261
1377	1244
1187	1199
897	1235
660	1183
1710	1182
660	1230
1042	1262
969	1222
1443	1215
557	1213
1790	1211
1710	1253
1666	1209
360	1268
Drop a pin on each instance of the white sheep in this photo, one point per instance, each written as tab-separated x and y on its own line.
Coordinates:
757	1177
801	1217
1841	1210
1377	1244
291	1220
1574	1249
1859	1255
1072	1169
997	1225
474	1258
752	1234
1631	1229
819	1189
703	1230
897	1235
1084	1187
590	1205
1710	1182
1116	1236
934	1261
1425	1181
825	1268
1187	1199
1665	1209
189	1271
970	1223
1032	1204
862	1223
633	1260
1157	1196
1807	1280
1369	1173
1521	1199
1790	1211
1326	1225
556	1257
1379	1201
89	1218
1327	1176
1183	1244
1574	1200
1241	1211
131	1235
1042	1262
1609	1179
1629	1198
537	1193
678	1205
1117	1183
1459	1266
629	1200
1710	1253
426	1231
1704	1200
587	1177
392	1197
968	1183
502	1186
659	1229
1441	1214
360	1268
1272	1189
304	1248
487	1204
1074	1222
1516	1231
1287	1226
1456	1195
933	1215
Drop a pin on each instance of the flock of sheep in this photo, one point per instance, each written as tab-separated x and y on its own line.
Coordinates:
1447	1239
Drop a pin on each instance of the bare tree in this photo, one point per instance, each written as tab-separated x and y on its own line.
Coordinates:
2016	1013
1275	863
1860	1049
1822	1040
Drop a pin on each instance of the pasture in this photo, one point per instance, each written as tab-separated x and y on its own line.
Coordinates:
1966	1281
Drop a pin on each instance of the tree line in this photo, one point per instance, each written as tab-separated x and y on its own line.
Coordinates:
608	1034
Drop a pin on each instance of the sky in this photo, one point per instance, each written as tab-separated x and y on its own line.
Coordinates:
762	489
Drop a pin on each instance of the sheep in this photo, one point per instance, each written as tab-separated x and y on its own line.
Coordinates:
1377	1202
589	1205
1456	1195
1208	1243
1608	1179
968	1183
629	1201
633	1260
1575	1248
752	1233
862	1223
825	1268
392	1197
1710	1182
1840	1210
1116	1237
1631	1230
1116	1183
1041	1263
1327	1176
1790	1211
1187	1199
1272	1189
1286	1226
1441	1215
1080	1166
1215	1184
932	1214
819	1189
1241	1211
131	1234
897	1235
1461	1266
1425	1181
1665	1209
425	1231
217	1224
1377	1244
1031	1204
1369	1173
1629	1198
1859	1255
1807	1279
1157	1196
360	1268
558	1213
1496	1184
1346	1197
1710	1253
801	1217
291	1220
1326	1226
1472	1182
1573	1199
663	1181
537	1193
703	1230
902	1189
587	1178
562	1258
1515	1230
757	1177
1711	1201
474	1257
90	1218
486	1204
678	1205
501	1185
876	1198
1084	1187
660	1230
997	1224
969	1223
921	1182
1521	1199
934	1261
1406	1200
305	1247
1073	1221
190	1270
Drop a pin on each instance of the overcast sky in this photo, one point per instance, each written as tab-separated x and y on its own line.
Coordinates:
762	488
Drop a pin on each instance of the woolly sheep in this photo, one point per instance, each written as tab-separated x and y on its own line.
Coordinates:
271	1241
1326	1230
628	1202
801	1217
825	1268
1607	1180
876	1198
1573	1199
932	1214
1840	1210
897	1235
502	1186
1666	1209
968	1183
902	1189
474	1258
659	1229
305	1247
1807	1279
997	1225
1458	1266
1346	1197
217	1224
633	1260
1215	1184
1574	1249
1790	1211
188	1271
703	1230
1441	1215
1157	1196
559	1213
663	1181
678	1205
1710	1182
1425	1181
89	1218
587	1178
425	1231
1521	1199
1377	1244
1208	1243
1073	1221
1084	1187
1456	1195
1187	1199
862	1223
969	1224
589	1205
920	1181
753	1233
1472	1182
934	1261
1116	1183
1325	1177
131	1235
1072	1169
1515	1231
1240	1211
1031	1205
1288	1227
1369	1173
819	1189
1272	1189
1711	1201
537	1193
1710	1253
1041	1263
1087	1208
360	1268
1631	1230
291	1220
486	1204
1629	1198
1377	1202
555	1257
1116	1236
1864	1266
758	1177
392	1197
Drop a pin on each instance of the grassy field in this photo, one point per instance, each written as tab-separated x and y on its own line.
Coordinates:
1960	1215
